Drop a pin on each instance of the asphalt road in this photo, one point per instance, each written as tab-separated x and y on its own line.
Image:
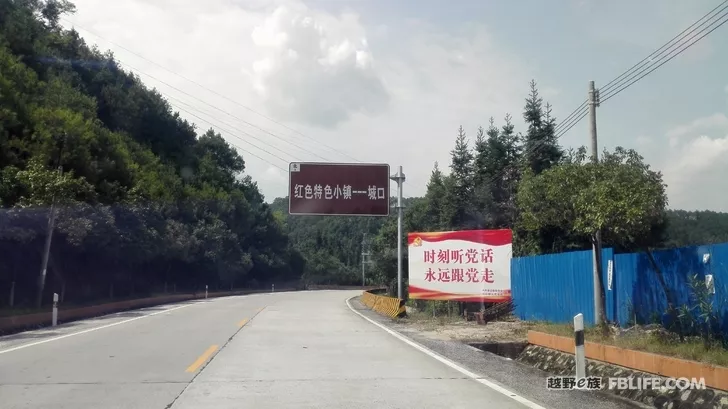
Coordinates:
283	350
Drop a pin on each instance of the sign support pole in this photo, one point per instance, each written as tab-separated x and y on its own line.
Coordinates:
399	178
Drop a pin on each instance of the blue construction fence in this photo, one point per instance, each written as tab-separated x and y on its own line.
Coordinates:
556	287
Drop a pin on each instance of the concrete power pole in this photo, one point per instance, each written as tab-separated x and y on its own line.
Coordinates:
597	241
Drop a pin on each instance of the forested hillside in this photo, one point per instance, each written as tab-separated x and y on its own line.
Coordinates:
145	202
692	228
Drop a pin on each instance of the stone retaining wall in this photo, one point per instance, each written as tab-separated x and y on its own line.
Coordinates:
561	363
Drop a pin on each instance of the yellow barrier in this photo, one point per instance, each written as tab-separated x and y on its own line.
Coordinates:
388	306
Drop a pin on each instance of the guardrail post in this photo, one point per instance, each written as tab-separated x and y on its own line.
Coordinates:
273	288
205	291
54	319
579	343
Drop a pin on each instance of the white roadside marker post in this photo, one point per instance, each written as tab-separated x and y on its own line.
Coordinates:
579	342
54	319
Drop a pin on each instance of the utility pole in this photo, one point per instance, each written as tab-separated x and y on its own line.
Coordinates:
363	259
49	233
597	239
364	254
399	178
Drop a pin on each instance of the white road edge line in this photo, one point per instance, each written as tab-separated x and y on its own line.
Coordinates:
451	364
91	329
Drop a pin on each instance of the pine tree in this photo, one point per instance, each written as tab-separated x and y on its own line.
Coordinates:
482	198
499	167
435	199
541	149
540	152
512	171
458	207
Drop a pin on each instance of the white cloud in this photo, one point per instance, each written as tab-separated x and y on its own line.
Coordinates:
695	165
708	123
395	93
315	68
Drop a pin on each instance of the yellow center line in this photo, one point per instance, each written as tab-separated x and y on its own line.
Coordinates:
242	322
202	359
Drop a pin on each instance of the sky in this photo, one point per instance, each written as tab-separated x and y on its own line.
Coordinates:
390	81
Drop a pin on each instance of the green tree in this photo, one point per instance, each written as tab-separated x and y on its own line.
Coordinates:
619	196
458	208
143	201
434	201
541	149
483	173
693	228
511	172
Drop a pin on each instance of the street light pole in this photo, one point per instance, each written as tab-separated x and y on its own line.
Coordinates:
399	178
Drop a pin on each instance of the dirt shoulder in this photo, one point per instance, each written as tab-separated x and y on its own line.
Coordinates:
647	338
454	328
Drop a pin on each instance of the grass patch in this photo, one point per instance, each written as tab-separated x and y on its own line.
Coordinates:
655	342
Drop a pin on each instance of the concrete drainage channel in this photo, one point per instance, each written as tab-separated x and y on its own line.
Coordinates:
510	350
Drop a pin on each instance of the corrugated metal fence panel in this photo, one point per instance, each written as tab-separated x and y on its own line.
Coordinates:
640	295
553	287
718	266
556	287
625	276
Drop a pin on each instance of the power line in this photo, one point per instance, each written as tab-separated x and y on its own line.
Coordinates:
627	76
216	125
564	131
231	133
570	123
219	109
614	93
576	117
210	90
650	57
568	117
238	147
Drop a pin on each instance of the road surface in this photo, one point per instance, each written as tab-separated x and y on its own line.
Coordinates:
282	350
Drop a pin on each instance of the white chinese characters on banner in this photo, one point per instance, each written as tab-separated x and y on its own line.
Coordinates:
468	265
329	192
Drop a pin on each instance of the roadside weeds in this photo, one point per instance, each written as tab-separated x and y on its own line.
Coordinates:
648	338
